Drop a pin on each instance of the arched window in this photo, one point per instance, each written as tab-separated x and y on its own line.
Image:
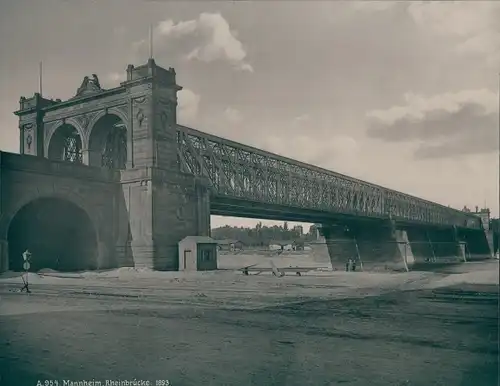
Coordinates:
66	145
114	155
72	150
108	143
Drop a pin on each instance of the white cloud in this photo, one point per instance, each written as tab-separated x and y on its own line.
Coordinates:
232	115
417	107
334	152
453	18
188	104
472	26
212	37
168	28
301	140
445	125
246	67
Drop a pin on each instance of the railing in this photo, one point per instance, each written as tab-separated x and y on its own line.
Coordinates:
240	171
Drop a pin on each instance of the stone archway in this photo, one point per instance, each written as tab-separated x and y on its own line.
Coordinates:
58	233
66	145
108	143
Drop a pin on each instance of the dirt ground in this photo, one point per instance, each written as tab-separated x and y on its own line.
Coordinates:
443	336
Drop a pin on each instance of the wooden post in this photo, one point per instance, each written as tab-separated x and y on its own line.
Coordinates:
405	258
432	248
358	254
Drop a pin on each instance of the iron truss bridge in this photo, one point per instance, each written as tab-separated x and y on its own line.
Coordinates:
246	174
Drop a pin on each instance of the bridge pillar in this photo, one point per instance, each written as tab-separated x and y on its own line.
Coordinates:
447	245
162	204
163	207
372	243
422	248
476	242
181	207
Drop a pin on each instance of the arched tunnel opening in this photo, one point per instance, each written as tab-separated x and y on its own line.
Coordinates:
58	233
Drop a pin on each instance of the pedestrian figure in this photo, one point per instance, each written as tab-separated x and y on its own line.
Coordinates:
353	265
26	266
349	265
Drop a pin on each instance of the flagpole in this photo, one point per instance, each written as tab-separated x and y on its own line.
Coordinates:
40	78
150	41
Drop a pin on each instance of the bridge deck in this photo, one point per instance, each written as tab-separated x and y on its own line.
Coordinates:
244	174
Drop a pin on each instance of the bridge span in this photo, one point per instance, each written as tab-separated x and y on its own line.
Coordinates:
138	182
249	182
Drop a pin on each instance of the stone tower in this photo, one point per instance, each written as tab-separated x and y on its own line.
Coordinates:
132	129
163	205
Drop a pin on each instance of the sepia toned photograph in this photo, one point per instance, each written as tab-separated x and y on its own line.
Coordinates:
266	192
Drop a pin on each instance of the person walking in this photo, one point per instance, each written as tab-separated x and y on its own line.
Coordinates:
26	265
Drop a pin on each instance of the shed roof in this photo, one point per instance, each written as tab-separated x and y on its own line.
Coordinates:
199	239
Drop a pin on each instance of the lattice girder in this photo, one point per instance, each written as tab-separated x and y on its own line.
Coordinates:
236	170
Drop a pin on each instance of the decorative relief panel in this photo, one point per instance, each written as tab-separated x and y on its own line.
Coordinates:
140	100
166	101
140	117
166	115
83	120
139	110
29	138
164	118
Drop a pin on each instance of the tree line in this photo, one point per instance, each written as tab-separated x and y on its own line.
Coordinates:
263	235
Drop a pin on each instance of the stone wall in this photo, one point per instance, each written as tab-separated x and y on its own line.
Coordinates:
373	244
24	179
180	209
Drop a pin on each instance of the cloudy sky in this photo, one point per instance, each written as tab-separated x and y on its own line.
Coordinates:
401	94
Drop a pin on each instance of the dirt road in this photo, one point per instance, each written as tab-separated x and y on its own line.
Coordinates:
441	337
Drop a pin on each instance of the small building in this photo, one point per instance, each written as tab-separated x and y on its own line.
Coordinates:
229	245
484	215
197	253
